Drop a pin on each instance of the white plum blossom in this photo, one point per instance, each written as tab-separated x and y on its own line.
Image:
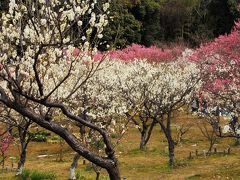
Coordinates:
105	7
226	129
43	22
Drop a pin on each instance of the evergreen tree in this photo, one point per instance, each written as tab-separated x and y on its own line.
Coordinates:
148	12
124	28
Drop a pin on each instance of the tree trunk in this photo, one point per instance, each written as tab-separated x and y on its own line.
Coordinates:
210	147
149	133
143	139
146	134
171	143
97	175
171	147
168	134
21	161
142	144
74	166
114	173
24	140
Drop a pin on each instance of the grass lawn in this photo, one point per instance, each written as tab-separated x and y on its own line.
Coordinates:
149	164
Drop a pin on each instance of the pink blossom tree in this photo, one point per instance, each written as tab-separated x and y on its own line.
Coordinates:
219	62
5	141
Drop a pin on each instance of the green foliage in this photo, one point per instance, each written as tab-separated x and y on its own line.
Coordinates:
79	177
56	138
35	175
98	144
25	174
181	163
88	167
155	21
40	136
234	7
123	28
115	135
174	19
148	13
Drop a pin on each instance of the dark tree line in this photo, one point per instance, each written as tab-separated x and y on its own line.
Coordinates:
162	21
150	22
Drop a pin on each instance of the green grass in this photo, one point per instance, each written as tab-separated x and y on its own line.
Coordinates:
36	175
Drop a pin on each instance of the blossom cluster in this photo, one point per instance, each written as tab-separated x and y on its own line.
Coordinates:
152	54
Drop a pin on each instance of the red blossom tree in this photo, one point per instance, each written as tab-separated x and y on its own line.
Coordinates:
219	62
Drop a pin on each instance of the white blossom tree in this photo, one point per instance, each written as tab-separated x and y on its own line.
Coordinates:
42	71
135	85
99	102
177	82
153	91
158	89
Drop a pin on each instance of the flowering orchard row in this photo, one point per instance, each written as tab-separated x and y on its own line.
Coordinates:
58	80
152	54
218	62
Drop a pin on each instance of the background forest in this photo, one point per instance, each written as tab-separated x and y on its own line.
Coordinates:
159	22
